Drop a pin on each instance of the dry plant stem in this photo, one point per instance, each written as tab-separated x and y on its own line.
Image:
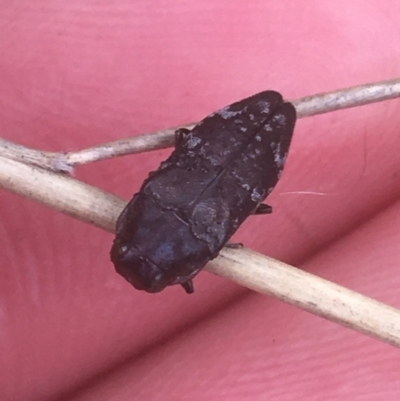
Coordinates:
137	144
243	266
61	193
346	98
307	106
311	293
54	161
64	162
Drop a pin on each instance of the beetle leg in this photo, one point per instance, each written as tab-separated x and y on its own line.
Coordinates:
180	136
263	209
236	245
188	286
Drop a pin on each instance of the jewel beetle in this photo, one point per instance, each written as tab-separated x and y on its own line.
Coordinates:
187	210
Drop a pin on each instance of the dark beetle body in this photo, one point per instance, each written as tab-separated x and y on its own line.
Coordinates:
218	174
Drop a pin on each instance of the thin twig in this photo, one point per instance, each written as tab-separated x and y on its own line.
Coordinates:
346	98
309	292
54	161
62	193
305	107
243	266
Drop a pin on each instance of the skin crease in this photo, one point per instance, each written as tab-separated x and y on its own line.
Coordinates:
80	73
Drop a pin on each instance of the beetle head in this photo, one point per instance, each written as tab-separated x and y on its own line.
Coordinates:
141	272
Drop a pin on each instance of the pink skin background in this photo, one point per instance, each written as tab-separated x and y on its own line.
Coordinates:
78	73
